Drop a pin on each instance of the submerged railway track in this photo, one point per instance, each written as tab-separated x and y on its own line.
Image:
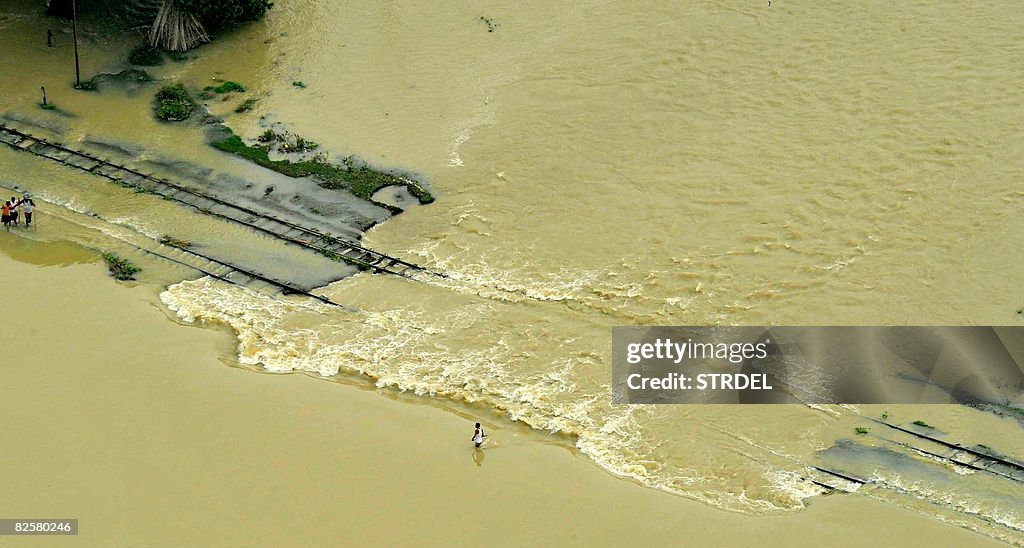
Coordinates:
309	238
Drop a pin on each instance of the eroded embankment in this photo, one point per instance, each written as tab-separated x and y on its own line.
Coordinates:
326	244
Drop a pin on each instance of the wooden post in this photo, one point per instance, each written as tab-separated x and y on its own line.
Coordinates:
44	94
74	35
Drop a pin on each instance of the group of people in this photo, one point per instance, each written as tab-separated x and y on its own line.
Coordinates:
14	209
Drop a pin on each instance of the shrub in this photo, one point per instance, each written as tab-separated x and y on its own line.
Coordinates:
301	145
226	87
146	56
923	424
173	103
245	106
120	269
268	136
860	430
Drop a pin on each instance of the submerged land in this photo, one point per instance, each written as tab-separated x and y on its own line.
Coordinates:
149	432
795	181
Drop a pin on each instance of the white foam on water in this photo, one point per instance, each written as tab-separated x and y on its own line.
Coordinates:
401	349
454	160
823	408
793	485
958	503
397	349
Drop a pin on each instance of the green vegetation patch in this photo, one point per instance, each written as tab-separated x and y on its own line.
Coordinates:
332	255
145	55
226	87
269	136
175	242
860	430
362	181
121	269
287	145
299	84
246	106
923	424
173	103
47	106
301	145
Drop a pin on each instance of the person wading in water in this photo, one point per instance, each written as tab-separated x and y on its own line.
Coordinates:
14	210
28	206
478	435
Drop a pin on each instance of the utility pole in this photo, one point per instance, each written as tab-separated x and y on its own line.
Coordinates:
74	35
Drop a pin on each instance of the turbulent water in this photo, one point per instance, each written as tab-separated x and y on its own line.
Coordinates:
615	163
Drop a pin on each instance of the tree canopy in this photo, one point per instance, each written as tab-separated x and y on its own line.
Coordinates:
216	14
213	14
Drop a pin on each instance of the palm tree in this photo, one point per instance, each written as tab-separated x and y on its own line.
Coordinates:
174	29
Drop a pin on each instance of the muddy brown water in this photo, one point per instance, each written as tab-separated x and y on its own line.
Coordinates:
618	164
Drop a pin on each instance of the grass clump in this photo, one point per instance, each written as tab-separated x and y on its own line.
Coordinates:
923	424
146	56
47	106
121	269
268	136
246	106
175	242
301	145
173	103
861	430
226	87
299	84
362	181
332	255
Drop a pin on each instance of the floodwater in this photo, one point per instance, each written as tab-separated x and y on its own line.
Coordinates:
613	163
